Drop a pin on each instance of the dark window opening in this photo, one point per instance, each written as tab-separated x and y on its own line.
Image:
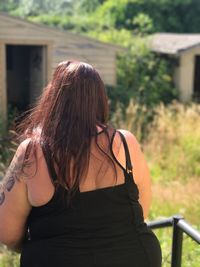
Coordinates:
196	93
25	75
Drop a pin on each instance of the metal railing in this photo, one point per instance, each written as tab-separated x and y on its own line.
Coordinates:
180	226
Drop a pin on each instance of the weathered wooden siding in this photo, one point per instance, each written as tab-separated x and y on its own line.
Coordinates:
65	45
186	74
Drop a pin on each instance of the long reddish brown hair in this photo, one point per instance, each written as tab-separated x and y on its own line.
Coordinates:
66	117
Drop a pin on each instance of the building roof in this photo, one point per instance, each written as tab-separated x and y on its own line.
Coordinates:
57	30
174	43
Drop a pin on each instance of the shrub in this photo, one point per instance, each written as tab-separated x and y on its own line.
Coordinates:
146	76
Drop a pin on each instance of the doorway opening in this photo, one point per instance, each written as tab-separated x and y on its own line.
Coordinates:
26	75
196	92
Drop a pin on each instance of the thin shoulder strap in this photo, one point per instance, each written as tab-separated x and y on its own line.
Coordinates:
128	168
47	156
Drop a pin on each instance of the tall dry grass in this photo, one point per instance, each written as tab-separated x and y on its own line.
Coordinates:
173	144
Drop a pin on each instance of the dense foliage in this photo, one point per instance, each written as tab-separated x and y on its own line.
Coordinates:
148	15
147	76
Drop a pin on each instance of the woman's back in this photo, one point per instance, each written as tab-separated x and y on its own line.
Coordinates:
69	197
101	172
104	224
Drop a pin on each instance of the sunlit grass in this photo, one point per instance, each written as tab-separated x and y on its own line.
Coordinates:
190	249
173	145
183	199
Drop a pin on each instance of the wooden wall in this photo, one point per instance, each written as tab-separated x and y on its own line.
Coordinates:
65	45
60	46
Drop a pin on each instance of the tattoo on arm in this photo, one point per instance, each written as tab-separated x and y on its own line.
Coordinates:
13	173
10	183
2	197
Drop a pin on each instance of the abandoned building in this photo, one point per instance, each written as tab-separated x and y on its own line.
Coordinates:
29	52
185	48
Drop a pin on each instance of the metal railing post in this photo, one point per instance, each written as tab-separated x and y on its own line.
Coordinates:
177	239
189	230
180	226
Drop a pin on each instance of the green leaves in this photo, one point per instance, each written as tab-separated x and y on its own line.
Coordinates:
137	16
146	76
143	24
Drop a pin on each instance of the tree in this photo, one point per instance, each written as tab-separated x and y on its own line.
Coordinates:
165	15
7	5
145	76
34	8
87	6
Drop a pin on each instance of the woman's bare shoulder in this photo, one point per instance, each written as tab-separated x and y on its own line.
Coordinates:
130	137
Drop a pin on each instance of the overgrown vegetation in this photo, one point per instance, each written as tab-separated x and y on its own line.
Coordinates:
175	140
173	155
96	15
144	81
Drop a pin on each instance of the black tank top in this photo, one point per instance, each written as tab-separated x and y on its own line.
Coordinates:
101	228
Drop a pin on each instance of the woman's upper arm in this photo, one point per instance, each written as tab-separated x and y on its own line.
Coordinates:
14	204
140	171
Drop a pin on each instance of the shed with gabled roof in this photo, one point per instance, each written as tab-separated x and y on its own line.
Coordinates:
29	52
186	49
